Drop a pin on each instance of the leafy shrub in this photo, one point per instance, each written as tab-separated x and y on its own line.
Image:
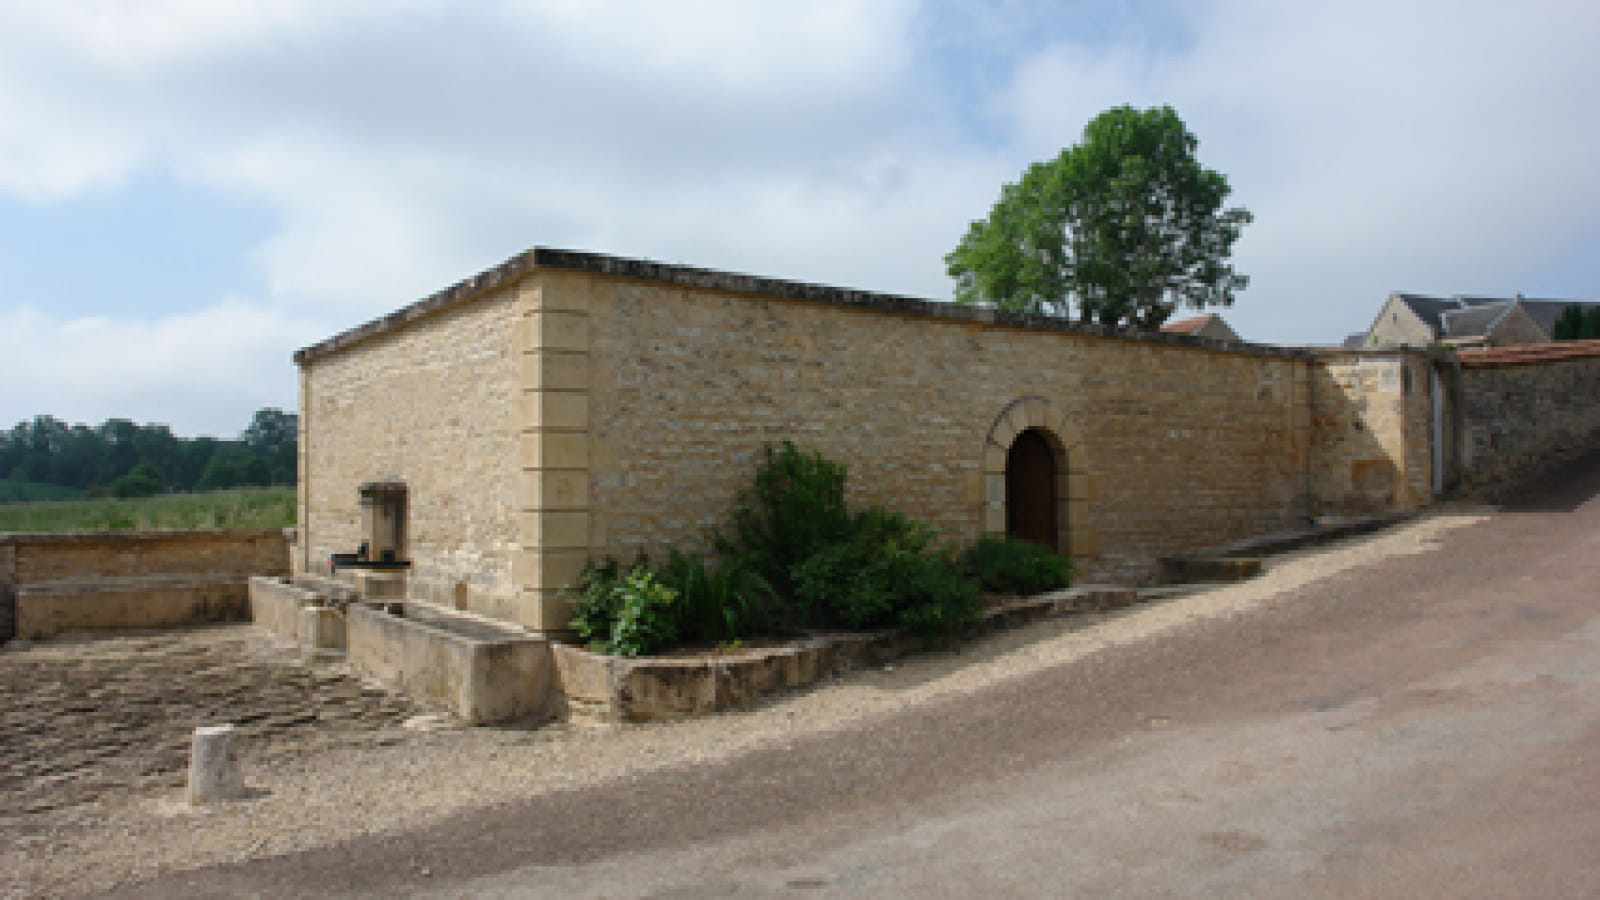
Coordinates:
720	602
628	612
939	598
882	575
594	605
794	509
647	614
1013	566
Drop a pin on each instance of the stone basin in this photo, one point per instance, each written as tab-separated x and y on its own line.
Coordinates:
482	671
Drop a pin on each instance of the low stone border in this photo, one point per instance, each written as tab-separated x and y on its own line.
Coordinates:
600	688
1239	560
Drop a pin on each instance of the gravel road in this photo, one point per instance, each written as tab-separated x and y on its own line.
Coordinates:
1183	746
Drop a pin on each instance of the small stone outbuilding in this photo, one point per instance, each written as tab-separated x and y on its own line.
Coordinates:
490	439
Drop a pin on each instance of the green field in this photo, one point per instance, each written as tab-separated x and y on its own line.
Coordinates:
243	508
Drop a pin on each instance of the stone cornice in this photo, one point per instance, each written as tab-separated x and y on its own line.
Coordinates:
519	266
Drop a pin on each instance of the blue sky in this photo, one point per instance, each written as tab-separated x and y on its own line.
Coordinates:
190	190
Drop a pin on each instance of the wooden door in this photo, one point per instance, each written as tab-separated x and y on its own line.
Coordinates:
1031	489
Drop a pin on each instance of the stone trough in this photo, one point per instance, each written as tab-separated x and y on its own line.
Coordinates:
481	671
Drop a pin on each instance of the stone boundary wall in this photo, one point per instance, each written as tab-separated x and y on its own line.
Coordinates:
1520	408
51	583
1370	430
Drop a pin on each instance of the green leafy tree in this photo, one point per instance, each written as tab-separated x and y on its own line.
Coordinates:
1569	325
144	481
233	466
1126	225
273	436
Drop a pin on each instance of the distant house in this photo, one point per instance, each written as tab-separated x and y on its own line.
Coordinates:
1209	325
1418	320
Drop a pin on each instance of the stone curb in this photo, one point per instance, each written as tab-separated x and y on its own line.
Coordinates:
598	688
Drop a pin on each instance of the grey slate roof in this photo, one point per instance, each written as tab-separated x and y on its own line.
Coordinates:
1469	315
1473	320
1428	308
1546	312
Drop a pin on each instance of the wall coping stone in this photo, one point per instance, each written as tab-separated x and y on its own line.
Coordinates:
37	538
516	268
104	584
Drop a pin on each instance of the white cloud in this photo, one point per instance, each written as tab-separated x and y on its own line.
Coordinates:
1428	146
202	372
399	146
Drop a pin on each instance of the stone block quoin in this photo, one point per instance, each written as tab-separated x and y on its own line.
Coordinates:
553	429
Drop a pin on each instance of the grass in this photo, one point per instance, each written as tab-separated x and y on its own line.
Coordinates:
243	508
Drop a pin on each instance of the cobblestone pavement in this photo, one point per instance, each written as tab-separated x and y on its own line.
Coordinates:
85	717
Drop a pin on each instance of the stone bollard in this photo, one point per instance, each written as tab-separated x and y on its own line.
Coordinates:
214	766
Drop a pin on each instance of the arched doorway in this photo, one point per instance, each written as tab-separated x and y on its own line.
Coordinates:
1047	494
1031	506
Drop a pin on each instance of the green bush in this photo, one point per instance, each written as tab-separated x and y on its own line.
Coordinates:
882	575
594	603
144	481
794	509
719	602
794	558
647	614
1013	566
628	612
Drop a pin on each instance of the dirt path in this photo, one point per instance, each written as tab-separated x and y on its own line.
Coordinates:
1338	725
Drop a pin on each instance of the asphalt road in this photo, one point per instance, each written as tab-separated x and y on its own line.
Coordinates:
1425	726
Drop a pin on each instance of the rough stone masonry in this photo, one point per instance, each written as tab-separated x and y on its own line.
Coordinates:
565	406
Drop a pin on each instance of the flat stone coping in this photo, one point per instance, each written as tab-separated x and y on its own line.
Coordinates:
103	584
519	266
600	688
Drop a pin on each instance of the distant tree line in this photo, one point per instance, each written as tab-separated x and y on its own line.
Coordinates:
1578	323
49	459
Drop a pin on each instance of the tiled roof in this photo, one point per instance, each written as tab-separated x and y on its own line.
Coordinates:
1530	353
1189	325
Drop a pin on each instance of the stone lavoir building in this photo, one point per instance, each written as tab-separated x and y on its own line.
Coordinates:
566	406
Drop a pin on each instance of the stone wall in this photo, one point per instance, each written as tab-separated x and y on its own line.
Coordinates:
1168	445
65	582
36	558
566	406
1371	413
1521	408
431	406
